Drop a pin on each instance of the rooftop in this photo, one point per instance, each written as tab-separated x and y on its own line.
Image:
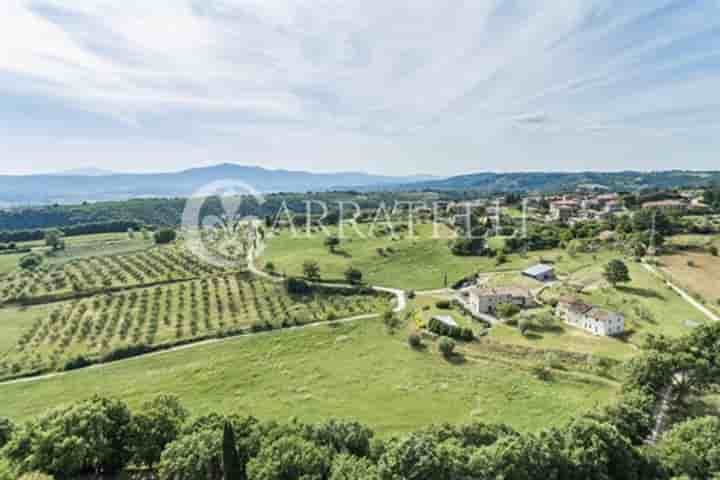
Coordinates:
539	269
447	320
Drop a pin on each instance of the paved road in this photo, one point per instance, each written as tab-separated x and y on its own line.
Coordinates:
689	298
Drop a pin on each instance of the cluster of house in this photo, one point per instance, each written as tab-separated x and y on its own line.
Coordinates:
598	321
567	208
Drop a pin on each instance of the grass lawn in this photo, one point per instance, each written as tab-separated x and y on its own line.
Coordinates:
98	245
419	263
565	337
9	262
351	371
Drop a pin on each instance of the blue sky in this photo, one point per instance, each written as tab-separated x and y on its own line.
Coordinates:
380	86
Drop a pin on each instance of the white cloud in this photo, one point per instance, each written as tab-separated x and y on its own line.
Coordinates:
425	77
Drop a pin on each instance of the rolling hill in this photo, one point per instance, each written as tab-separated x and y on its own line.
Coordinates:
73	187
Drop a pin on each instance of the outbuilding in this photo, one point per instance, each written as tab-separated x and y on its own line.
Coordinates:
541	272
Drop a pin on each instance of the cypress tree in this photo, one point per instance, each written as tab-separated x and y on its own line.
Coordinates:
231	462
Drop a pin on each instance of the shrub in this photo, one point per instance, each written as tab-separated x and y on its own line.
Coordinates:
80	361
446	346
507	310
445	330
414	340
165	235
713	250
30	262
6	430
296	286
524	325
126	351
353	276
542	372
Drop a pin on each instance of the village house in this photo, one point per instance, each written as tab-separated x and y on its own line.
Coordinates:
592	319
486	299
563	209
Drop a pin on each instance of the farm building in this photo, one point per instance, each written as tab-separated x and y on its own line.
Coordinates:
541	272
595	320
486	300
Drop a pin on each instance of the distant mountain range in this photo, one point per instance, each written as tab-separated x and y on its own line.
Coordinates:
76	186
568	181
83	172
93	184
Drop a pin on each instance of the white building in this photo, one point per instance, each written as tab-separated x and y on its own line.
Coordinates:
595	320
486	300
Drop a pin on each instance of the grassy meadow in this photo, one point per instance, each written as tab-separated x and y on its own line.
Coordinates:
419	263
353	370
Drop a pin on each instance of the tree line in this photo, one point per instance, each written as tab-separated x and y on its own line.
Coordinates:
104	436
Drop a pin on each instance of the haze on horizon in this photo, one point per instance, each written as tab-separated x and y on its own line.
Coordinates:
360	85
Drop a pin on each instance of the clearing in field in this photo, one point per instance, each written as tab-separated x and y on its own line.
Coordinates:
355	370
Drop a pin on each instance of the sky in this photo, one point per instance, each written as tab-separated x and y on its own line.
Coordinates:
380	86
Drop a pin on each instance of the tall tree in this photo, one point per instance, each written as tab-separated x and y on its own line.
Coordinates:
54	239
231	462
616	272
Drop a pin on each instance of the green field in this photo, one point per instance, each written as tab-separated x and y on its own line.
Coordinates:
9	262
95	326
567	338
100	245
420	263
352	370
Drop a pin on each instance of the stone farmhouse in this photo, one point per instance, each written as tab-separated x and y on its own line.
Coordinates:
486	299
593	319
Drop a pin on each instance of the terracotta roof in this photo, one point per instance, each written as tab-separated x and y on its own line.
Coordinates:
575	305
600	315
